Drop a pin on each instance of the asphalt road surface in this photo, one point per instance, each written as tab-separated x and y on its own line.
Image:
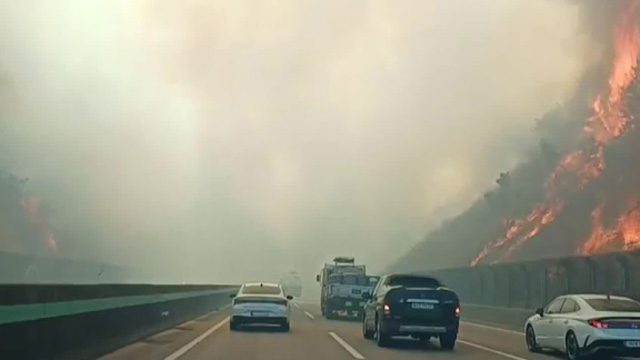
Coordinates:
313	337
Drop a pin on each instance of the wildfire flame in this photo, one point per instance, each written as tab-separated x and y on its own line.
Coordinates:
578	169
624	235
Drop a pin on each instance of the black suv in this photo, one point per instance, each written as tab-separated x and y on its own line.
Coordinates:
411	305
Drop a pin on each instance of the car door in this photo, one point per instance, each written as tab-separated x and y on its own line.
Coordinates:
563	322
545	325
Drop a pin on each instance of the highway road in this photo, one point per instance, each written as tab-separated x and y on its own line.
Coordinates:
313	337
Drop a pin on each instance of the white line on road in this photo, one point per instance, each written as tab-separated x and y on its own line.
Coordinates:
492	328
296	305
497	352
309	315
350	350
197	340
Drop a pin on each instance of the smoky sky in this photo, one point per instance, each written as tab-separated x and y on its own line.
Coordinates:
235	140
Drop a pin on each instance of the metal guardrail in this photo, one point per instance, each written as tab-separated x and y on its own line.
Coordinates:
528	285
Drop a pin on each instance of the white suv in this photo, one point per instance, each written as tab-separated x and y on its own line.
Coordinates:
261	303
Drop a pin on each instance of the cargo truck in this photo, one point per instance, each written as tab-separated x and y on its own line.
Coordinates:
343	284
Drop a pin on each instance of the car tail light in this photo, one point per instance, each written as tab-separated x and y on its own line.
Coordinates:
457	310
386	309
598	324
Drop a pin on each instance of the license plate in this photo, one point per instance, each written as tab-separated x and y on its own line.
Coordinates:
347	303
259	313
632	344
422	306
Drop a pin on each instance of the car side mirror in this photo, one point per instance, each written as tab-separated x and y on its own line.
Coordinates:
232	295
540	311
318	278
366	295
289	297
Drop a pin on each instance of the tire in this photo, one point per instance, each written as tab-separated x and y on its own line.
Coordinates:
285	326
573	348
382	338
366	333
530	339
448	341
233	326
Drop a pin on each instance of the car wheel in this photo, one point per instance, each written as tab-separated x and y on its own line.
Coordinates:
382	338
366	333
285	327
572	346
530	338
448	341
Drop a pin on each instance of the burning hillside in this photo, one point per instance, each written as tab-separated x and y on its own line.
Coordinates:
576	173
580	192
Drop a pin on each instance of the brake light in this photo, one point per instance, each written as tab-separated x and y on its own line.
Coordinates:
386	309
457	310
598	324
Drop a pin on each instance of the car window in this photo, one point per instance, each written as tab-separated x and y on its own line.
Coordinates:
569	306
415	281
554	307
261	290
624	305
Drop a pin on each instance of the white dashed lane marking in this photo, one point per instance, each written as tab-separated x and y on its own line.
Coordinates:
346	346
309	315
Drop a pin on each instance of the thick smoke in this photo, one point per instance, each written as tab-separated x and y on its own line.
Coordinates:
206	138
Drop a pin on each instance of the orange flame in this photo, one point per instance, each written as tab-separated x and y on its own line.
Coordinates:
625	234
578	169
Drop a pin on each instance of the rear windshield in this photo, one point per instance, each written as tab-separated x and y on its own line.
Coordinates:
415	281
614	305
257	289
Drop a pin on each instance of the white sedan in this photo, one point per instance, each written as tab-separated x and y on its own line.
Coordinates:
584	325
261	303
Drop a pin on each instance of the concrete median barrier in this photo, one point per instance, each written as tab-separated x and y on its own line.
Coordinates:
85	321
